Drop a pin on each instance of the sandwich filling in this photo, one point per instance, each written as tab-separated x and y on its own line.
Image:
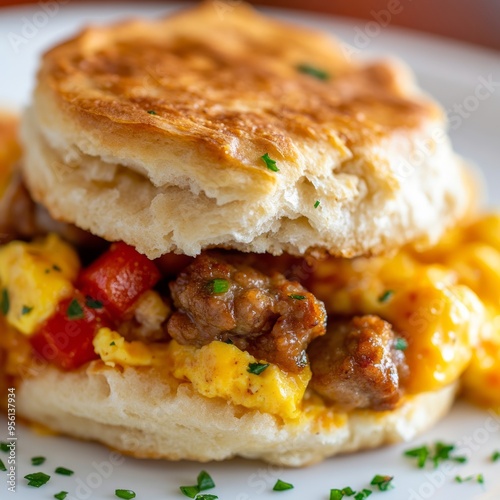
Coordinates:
278	334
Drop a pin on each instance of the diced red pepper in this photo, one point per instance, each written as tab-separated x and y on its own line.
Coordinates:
118	278
65	339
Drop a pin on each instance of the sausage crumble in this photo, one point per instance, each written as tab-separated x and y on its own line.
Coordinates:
270	317
356	364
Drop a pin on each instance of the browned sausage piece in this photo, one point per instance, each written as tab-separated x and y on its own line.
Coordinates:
271	318
356	364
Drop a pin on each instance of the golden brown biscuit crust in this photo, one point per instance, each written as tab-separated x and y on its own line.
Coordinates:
231	85
192	102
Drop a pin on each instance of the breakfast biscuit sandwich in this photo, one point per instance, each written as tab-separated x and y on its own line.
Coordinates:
199	168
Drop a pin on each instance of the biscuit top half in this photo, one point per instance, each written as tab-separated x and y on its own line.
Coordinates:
194	102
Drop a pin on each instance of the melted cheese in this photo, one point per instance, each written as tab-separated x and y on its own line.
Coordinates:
481	381
441	325
474	255
439	319
445	301
36	277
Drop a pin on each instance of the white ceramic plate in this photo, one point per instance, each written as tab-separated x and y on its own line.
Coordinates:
455	74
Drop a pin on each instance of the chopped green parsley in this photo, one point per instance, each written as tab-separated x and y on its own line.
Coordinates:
257	368
56	268
37	479
495	457
316	205
384	483
92	303
5	302
152	112
64	472
112	343
386	296
26	310
219	285
361	495
2	466
440	453
270	163
75	310
126	494
203	482
318	73
336	495
348	491
297	297
421	454
479	478
4	447
401	344
61	495
38	460
189	491
282	486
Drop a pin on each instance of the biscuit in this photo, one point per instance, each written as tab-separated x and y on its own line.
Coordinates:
153	132
141	414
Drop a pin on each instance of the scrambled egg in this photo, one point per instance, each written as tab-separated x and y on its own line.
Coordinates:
222	370
113	349
34	278
215	370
